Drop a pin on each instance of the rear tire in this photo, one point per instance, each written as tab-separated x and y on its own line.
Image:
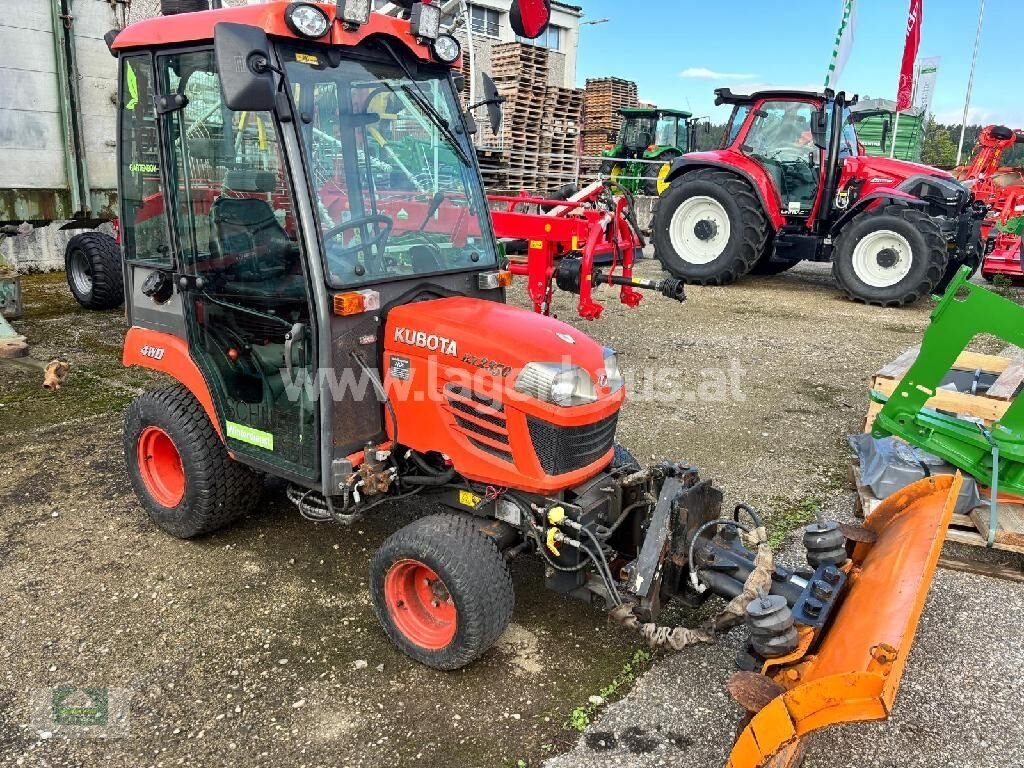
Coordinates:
709	227
92	262
179	467
458	616
889	257
654	184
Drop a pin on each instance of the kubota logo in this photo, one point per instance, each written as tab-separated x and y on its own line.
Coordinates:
427	341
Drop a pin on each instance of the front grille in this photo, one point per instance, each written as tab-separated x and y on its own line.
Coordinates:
474	404
566	449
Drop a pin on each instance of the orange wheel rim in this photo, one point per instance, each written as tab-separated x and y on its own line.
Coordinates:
160	467
420	605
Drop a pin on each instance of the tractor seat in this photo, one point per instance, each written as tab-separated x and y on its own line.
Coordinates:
247	234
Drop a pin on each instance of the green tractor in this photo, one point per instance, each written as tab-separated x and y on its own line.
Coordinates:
648	135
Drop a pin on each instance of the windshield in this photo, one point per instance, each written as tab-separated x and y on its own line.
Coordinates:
638	132
395	191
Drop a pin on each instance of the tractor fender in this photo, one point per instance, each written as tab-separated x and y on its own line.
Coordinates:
740	165
169	354
872	200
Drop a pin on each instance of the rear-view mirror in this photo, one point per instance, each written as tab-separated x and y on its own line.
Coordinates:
530	18
243	63
493	100
819	129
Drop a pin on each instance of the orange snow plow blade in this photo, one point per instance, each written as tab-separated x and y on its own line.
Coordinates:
851	671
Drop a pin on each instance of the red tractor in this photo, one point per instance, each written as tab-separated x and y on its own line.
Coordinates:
316	322
790	184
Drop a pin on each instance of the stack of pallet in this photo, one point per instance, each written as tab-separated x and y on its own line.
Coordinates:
603	99
560	137
521	74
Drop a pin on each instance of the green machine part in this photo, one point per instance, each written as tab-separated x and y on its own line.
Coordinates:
994	456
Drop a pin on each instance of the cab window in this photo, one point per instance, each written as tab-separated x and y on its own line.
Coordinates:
144	234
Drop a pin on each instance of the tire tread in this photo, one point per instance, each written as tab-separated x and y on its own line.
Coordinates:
754	225
219	489
472	566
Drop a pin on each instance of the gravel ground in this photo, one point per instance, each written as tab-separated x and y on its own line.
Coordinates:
258	645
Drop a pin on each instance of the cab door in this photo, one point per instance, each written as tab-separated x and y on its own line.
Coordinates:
246	297
780	141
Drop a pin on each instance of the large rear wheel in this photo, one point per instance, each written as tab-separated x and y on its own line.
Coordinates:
179	467
442	591
709	227
92	262
890	257
655	175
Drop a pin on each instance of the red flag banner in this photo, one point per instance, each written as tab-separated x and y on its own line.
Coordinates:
905	97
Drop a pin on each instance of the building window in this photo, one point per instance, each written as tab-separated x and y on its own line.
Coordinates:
486	21
552	39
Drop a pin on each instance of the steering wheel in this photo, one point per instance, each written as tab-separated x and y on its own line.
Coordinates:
386	222
791	154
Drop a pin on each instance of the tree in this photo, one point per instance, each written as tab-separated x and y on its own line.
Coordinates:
938	149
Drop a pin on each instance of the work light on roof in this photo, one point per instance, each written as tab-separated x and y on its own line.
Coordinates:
425	21
306	20
354	13
447	49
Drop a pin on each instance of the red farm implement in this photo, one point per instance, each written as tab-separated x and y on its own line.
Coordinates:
564	241
1002	189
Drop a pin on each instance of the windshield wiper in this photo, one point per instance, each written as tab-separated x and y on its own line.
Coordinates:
426	107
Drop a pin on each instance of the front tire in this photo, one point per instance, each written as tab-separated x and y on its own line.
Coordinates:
179	467
442	591
92	263
709	227
890	257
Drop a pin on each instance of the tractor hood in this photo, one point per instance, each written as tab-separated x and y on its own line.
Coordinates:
881	171
461	384
489	336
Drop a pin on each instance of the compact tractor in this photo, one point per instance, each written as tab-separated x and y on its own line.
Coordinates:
649	141
790	184
334	316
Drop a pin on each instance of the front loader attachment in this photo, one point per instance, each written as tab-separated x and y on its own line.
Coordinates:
851	669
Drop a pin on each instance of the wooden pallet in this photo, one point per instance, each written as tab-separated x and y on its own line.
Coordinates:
989	406
971	530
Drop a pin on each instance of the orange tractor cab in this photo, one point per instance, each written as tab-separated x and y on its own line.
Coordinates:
286	267
790	183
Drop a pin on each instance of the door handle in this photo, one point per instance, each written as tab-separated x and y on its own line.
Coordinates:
297	333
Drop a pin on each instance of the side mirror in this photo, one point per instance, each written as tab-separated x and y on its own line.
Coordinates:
243	64
493	100
886	130
819	129
530	18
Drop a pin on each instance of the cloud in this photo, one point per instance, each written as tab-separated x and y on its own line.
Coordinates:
701	73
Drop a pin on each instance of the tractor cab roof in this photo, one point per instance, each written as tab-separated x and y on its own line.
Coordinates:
653	111
187	28
726	96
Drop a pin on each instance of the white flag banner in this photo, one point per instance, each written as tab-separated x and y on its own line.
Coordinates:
927	75
844	43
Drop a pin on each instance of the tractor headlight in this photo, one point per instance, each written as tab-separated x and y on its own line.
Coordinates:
354	13
556	383
306	20
425	21
612	373
447	49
